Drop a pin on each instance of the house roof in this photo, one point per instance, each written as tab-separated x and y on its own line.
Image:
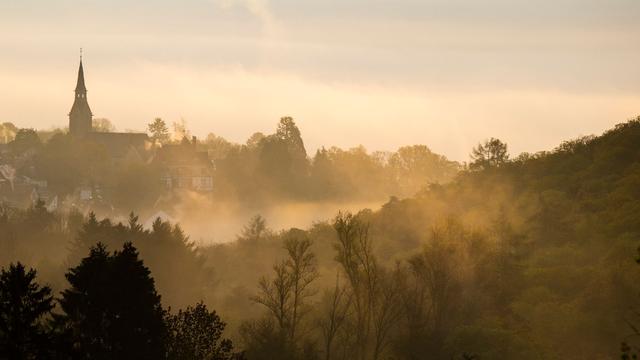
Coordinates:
119	144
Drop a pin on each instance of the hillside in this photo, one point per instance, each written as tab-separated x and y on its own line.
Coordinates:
538	258
526	259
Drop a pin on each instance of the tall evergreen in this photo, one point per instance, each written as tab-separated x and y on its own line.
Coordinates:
112	307
24	305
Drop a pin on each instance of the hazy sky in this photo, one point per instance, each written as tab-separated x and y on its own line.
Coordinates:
382	73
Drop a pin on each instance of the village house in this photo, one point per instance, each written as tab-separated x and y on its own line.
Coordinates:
183	167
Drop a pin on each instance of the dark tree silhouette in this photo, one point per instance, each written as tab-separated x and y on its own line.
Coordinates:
264	340
25	139
159	131
23	306
491	153
112	307
196	333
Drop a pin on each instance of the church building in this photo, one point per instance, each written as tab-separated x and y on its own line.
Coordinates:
118	145
183	166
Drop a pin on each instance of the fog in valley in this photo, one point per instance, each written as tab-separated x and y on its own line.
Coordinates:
275	253
207	224
335	180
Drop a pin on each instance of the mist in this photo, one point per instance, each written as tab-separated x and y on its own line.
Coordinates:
472	252
336	180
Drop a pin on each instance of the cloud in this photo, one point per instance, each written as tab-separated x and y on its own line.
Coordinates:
261	9
234	102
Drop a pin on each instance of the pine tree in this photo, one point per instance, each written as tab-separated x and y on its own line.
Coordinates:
113	308
23	306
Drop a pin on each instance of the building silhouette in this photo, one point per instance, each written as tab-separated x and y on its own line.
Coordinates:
183	167
80	117
118	145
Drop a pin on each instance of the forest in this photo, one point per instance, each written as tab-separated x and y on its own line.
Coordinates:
265	169
533	256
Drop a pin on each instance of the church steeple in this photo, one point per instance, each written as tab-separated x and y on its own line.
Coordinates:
80	122
80	88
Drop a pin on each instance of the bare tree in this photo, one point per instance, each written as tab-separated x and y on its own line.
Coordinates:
301	267
358	264
337	303
284	296
387	311
437	279
374	296
275	295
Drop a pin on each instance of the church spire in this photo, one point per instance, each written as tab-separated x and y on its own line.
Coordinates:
80	122
80	88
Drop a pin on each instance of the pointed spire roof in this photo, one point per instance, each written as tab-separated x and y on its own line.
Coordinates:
80	85
80	114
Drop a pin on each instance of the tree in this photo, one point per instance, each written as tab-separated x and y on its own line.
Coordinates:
255	230
414	167
7	132
491	153
284	296
361	270
159	131
24	140
373	289
112	308
288	131
217	146
136	186
103	125
23	306
254	140
67	161
431	295
180	131
501	274
92	232
283	167
628	350
335	313
263	340
196	333
301	266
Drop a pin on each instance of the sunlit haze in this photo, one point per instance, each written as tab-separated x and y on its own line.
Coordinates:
447	74
320	179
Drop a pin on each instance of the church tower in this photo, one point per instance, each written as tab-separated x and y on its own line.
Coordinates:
80	122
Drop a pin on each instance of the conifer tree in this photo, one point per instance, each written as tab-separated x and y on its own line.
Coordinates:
112	307
24	305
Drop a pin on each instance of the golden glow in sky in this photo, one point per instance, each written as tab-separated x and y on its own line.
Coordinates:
379	73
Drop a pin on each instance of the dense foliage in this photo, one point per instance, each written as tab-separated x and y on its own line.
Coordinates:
23	304
110	310
523	258
267	169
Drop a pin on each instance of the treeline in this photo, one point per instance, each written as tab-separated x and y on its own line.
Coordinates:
330	295
69	164
53	241
108	306
110	310
420	305
265	169
524	258
278	165
531	257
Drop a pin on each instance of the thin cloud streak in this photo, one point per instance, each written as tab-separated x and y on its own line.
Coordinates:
234	102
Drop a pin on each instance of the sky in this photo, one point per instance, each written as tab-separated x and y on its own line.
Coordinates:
378	73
